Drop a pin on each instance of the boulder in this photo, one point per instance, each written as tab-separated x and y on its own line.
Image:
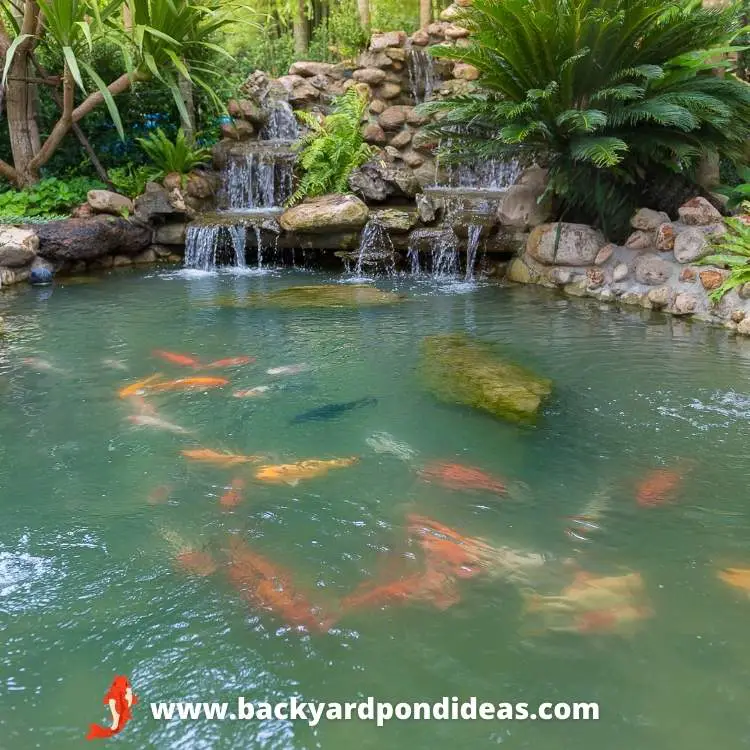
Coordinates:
10	276
640	240
121	260
401	139
368	181
377	106
688	275
308	69
374	134
423	141
426	174
458	369
454	31
154	203
743	327
665	237
246	109
691	245
201	185
520	207
620	272
329	213
237	130
389	91
604	255
698	211
171	234
415	117
684	304
426	208
380	42
420	38
594	278
465	71
107	202
452	12
412	159
577	288
659	297
370	59
652	270
86	239
565	244
559	276
520	272
397	54
395	219
18	247
147	256
712	279
648	220
373	76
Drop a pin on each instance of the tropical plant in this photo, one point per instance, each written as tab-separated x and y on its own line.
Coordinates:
732	252
739	193
166	40
168	156
49	198
332	148
131	180
611	95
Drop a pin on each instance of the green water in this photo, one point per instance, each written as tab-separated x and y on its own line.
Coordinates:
88	587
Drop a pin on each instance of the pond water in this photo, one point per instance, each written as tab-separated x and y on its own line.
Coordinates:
95	509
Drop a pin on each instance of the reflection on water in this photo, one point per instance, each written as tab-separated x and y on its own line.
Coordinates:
459	555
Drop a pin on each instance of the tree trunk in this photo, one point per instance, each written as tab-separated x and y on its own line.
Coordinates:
364	13
425	13
22	128
186	92
301	40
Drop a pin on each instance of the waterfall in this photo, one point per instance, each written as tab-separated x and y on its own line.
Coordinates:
258	180
206	245
445	254
375	248
259	243
281	124
472	244
422	78
412	256
493	173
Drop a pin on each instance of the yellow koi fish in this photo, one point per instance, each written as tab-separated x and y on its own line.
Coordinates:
293	473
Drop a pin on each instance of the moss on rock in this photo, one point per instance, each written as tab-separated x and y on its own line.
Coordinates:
323	296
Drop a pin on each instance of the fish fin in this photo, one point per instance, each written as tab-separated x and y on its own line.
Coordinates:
292	482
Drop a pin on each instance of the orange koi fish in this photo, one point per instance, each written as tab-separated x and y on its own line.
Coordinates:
176	359
293	473
188	384
160	494
737	577
230	362
141	406
218	458
659	487
197	562
139	387
460	477
266	586
233	495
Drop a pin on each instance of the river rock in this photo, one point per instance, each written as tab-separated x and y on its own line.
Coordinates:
154	203
691	245
389	91
520	272
698	211
743	327
372	76
520	207
246	109
594	278
412	159
415	117
559	276
392	118
620	272
648	220
237	130
86	239
396	219
465	71
665	237
374	134
107	202
578	244
328	213
420	38
308	69
604	255
738	315
640	240
711	279
659	297
401	139
18	247
173	233
688	275
684	304
453	31
458	369
147	256
380	42
652	270
426	208
378	106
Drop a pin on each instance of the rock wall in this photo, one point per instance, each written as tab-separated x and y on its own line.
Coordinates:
657	268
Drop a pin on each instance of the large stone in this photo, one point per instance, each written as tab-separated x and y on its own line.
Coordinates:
652	270
374	134
380	42
415	117
389	91
107	202
604	254
401	139
684	304
461	370
368	181
691	245
395	219
392	118
171	234
147	256
378	106
659	297
648	220
520	272
412	159
451	13
620	272
155	204
454	31
420	38
520	207
373	76
712	279
18	247
743	327
698	211
465	71
246	109
565	244
426	208
308	69
237	130
665	237
640	240
86	239
329	213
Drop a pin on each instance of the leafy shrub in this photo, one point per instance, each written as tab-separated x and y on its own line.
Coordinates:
49	198
740	192
611	96
332	148
131	180
732	252
173	156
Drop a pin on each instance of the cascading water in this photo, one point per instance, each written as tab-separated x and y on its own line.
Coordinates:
422	78
281	124
493	174
445	254
412	256
261	179
472	245
205	244
376	249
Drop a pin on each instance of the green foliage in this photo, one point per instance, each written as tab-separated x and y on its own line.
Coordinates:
332	148
610	95
49	198
347	37
389	15
732	252
130	179
173	156
740	192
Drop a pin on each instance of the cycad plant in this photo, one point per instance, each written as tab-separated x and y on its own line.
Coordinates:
732	252
168	156
332	148
609	94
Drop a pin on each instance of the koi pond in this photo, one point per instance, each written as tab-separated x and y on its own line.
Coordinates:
220	488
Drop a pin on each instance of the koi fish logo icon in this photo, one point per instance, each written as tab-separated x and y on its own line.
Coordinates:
120	700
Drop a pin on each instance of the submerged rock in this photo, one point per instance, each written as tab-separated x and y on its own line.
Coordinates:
325	295
458	369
